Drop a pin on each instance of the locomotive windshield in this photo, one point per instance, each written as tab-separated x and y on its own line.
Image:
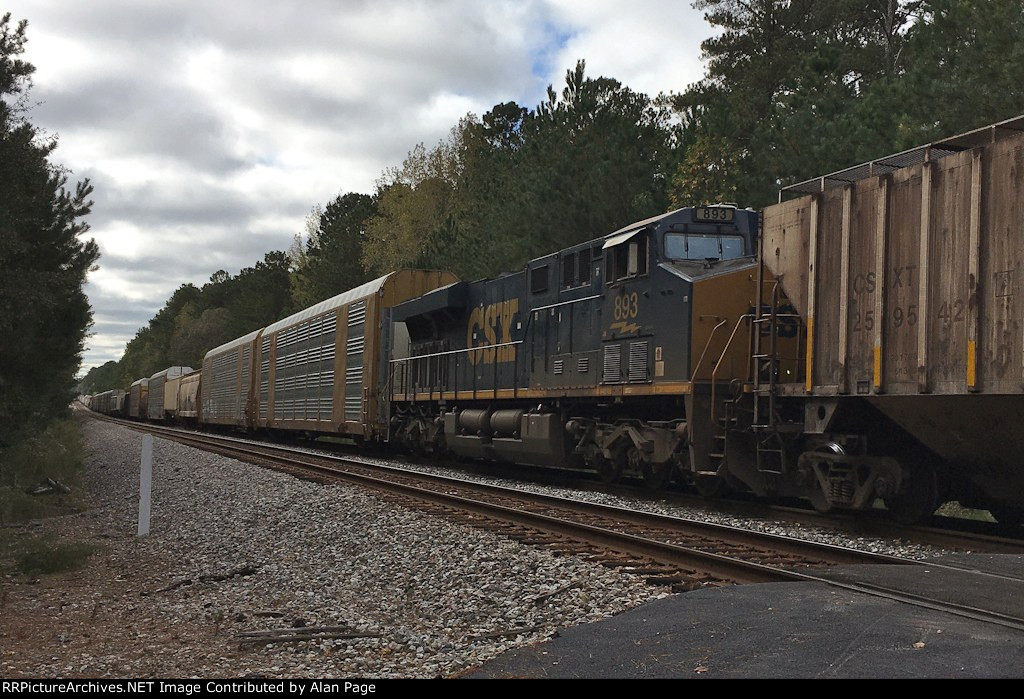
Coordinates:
703	246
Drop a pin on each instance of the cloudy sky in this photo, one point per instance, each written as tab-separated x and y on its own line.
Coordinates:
211	129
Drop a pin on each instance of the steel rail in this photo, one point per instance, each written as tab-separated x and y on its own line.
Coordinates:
717	565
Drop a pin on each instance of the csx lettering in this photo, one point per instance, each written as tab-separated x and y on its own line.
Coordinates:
898	278
492	325
864	283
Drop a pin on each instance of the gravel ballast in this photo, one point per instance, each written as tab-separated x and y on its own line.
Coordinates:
235	549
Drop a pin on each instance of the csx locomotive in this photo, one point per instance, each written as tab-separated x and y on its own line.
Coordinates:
860	341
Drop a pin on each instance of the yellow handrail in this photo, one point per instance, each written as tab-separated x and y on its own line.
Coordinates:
693	374
721	358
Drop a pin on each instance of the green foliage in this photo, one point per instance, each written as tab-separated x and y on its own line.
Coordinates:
55	452
330	260
44	314
46	555
964	68
414	222
517	184
800	88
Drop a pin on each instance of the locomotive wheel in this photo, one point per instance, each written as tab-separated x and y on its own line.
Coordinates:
818	500
657	476
610	470
920	499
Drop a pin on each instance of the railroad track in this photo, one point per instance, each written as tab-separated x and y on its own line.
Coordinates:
944	532
679	553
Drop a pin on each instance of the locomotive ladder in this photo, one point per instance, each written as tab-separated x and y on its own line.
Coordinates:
771	457
764	370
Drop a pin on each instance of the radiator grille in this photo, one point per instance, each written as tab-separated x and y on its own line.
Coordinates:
612	364
638	361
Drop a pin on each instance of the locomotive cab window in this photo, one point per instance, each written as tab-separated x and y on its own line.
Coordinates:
627	259
703	246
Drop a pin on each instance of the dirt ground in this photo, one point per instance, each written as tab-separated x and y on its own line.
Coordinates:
100	620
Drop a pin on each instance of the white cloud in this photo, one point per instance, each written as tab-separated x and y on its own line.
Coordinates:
211	129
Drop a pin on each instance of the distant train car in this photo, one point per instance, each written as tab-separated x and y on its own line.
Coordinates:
228	374
317	371
161	388
138	399
186	407
108	402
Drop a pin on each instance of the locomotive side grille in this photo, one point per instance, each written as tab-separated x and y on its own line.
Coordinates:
559	367
637	361
583	365
612	364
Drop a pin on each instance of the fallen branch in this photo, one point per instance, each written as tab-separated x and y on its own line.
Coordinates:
296	635
547	595
510	632
295	629
244	571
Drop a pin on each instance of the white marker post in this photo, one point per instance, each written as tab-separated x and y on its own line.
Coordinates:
145	484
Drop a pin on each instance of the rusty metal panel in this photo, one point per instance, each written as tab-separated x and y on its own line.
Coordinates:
901	313
949	238
916	276
857	368
138	395
1000	307
828	280
188	395
786	243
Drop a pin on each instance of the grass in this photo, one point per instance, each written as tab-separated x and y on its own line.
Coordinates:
44	555
55	452
955	509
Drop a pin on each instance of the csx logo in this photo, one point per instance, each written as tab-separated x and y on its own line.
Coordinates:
492	325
